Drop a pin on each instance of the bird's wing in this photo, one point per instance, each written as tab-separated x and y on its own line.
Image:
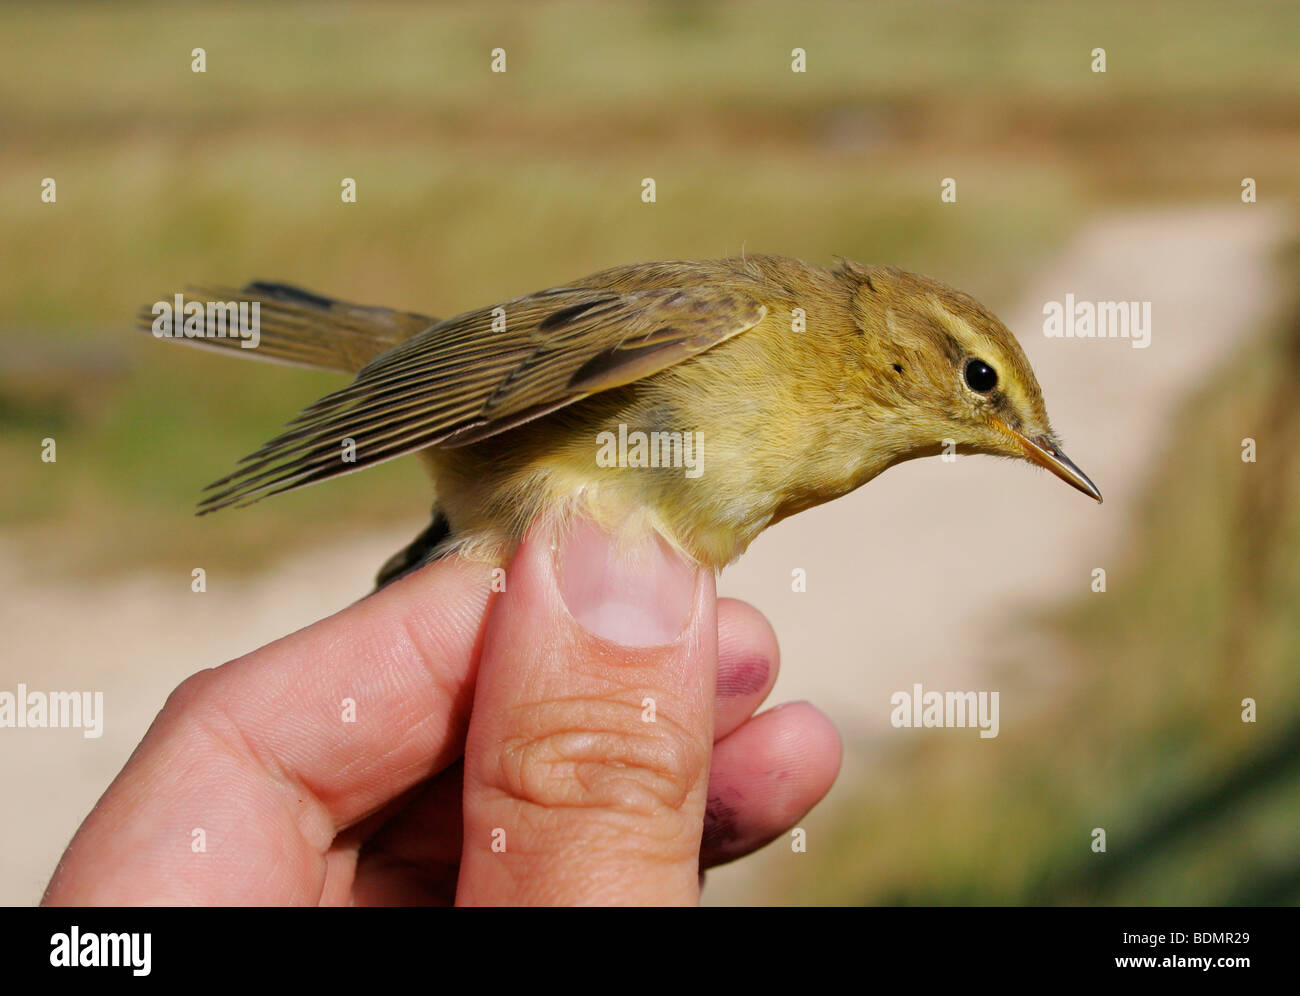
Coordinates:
486	371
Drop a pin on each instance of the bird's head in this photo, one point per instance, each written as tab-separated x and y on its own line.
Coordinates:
944	370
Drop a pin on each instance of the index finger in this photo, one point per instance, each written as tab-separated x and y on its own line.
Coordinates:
271	754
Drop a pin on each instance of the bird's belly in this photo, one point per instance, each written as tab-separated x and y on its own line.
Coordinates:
491	501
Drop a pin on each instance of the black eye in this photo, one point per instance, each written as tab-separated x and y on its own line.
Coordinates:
981	377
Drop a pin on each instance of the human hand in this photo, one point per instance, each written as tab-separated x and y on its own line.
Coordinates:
574	745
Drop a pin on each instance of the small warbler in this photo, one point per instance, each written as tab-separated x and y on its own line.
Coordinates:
704	400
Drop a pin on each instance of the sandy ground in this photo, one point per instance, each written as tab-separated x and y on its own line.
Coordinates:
926	575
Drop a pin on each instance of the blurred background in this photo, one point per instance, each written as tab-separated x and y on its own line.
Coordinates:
1119	709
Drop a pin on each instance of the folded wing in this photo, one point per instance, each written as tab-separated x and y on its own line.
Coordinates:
487	371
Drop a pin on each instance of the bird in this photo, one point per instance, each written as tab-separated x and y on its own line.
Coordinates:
703	400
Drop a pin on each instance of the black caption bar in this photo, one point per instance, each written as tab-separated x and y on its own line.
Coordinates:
147	946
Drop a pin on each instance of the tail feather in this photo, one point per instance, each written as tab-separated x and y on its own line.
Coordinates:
296	326
420	551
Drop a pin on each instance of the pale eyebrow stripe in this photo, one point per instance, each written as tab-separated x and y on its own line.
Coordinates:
951	320
948	323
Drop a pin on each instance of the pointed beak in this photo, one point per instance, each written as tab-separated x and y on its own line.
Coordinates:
1044	452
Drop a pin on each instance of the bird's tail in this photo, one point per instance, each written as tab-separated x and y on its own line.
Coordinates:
289	325
427	547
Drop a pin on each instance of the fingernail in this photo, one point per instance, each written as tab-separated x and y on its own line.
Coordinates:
636	595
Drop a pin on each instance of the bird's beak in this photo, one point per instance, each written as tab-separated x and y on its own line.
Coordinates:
1044	452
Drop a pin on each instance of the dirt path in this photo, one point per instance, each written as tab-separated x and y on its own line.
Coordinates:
915	578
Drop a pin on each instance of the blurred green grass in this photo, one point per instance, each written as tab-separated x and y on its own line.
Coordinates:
1147	741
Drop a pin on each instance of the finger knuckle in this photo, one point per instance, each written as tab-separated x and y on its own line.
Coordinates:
599	754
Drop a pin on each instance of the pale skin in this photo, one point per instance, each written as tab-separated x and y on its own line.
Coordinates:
516	719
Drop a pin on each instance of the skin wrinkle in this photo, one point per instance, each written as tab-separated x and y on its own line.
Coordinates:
266	759
665	754
428	643
448	687
303	804
616	827
427	647
413	772
268	755
624	835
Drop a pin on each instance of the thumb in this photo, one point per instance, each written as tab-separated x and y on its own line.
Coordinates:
587	759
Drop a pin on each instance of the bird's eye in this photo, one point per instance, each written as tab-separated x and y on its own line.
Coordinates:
981	377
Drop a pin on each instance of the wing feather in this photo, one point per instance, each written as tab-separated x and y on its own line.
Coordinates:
487	371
